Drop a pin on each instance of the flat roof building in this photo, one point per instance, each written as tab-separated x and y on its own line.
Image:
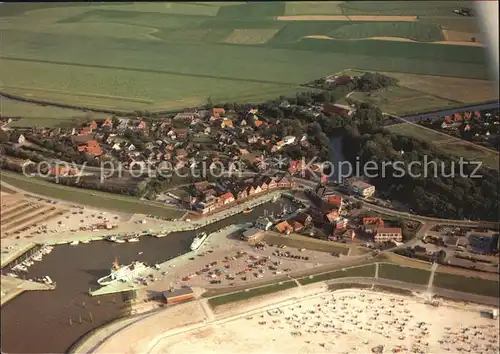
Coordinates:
178	295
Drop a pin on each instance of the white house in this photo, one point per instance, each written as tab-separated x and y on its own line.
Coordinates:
131	147
290	139
116	147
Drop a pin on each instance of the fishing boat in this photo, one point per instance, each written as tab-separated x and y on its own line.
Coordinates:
247	211
115	239
198	241
133	239
275	198
122	273
74	243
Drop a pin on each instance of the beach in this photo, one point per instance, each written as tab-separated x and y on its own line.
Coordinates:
343	321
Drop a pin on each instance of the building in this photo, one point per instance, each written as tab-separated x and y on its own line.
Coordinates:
263	223
290	139
370	225
361	188
177	296
218	112
339	109
91	147
253	235
227	198
284	227
341	223
384	234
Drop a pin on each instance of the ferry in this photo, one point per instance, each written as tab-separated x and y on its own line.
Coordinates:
133	239
198	241
122	273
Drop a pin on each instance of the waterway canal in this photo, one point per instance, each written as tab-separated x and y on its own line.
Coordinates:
50	321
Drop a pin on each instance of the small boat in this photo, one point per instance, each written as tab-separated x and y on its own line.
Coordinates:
119	240
275	198
247	211
14	275
133	239
139	253
74	243
86	241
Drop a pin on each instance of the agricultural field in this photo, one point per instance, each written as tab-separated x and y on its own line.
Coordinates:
91	198
47	116
451	145
19	214
166	56
399	100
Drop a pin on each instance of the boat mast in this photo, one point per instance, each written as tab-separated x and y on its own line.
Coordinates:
115	264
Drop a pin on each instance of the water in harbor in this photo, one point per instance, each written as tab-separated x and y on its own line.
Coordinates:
50	321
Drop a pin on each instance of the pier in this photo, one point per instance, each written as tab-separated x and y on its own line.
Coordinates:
12	287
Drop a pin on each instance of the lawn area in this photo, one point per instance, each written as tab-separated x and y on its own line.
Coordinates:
299	241
91	198
400	100
245	295
402	273
467	284
364	271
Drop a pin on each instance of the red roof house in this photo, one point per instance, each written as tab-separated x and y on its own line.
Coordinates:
91	147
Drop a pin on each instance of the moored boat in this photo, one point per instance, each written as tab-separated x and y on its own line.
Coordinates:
198	241
123	273
133	239
247	211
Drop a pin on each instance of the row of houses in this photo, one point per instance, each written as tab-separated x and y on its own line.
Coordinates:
208	197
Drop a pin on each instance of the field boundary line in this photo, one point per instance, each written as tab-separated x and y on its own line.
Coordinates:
78	93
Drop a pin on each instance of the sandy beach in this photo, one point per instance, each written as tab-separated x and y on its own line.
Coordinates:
344	321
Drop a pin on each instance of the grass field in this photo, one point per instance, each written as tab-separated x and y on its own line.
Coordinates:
89	197
467	284
161	56
448	144
365	271
405	274
245	295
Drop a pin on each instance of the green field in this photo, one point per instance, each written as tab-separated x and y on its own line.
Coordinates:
245	295
164	56
89	197
405	274
467	284
402	101
449	144
365	271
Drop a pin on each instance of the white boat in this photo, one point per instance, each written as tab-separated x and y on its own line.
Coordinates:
115	239
86	241
123	273
12	275
119	240
275	198
133	239
74	243
198	241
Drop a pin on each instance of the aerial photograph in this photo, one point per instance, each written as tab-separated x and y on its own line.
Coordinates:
249	177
